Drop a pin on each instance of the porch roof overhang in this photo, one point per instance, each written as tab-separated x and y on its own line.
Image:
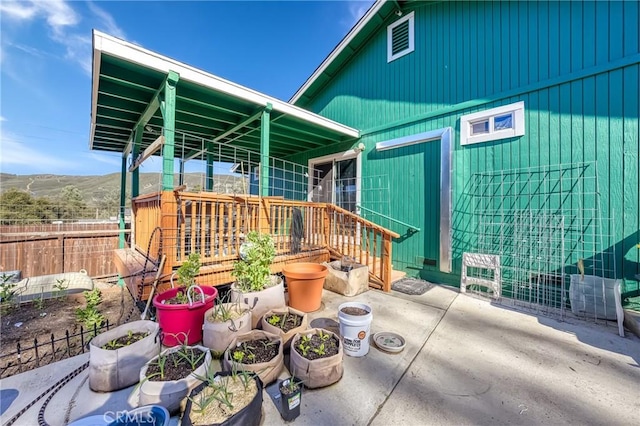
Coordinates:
128	82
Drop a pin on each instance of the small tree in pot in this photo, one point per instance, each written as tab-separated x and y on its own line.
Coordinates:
254	283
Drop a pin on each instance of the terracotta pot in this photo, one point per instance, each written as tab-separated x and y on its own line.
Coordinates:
305	282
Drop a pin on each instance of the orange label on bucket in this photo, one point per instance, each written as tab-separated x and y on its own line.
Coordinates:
362	335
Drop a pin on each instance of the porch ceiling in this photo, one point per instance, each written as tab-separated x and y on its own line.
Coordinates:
127	80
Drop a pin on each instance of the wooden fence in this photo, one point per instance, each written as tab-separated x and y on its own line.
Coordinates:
56	248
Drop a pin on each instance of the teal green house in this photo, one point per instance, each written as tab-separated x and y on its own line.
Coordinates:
508	128
497	141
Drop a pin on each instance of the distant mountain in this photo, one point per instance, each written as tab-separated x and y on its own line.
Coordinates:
94	189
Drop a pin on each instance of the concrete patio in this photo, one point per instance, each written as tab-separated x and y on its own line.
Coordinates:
466	361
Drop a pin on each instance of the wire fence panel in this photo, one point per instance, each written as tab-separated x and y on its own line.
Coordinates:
546	226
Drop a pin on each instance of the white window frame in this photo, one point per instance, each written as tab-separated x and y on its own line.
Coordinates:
390	55
515	109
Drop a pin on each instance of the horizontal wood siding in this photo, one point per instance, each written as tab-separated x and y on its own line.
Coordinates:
563	59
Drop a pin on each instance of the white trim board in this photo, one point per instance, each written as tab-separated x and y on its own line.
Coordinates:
444	135
346	155
104	43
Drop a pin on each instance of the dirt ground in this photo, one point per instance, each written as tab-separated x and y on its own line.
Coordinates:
29	321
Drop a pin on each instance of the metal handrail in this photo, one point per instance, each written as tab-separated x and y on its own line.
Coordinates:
388	217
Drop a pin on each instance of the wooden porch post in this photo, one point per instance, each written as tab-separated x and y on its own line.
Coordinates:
169	224
386	263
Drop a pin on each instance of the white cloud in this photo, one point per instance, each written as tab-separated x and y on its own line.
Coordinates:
15	153
2	118
57	13
63	22
356	10
112	160
107	23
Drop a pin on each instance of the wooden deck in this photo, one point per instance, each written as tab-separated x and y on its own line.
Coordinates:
131	264
177	223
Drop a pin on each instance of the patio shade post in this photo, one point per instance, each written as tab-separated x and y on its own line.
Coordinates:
181	175
168	109
135	175
123	195
209	174
264	150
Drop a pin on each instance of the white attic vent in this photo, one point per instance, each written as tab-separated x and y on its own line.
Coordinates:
400	38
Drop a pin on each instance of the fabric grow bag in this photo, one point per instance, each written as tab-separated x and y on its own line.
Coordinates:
218	335
170	394
268	371
286	337
319	372
250	415
111	370
261	301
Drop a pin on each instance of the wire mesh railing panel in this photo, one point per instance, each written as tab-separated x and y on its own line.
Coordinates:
545	224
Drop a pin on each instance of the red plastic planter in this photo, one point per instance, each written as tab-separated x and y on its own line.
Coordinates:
178	321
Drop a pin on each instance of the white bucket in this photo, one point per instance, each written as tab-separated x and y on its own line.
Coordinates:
355	329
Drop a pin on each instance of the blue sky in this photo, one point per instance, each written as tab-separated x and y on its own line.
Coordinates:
45	62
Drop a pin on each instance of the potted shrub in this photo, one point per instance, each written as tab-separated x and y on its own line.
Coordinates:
257	351
254	283
180	311
169	377
116	356
229	398
304	284
290	398
222	323
285	322
316	357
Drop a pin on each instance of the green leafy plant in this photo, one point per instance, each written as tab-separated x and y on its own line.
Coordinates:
187	273
252	271
320	349
224	310
40	302
193	357
8	292
304	349
273	319
89	316
121	342
60	288
323	336
189	270
238	356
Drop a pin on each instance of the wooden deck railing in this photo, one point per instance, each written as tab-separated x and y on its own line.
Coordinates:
215	225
